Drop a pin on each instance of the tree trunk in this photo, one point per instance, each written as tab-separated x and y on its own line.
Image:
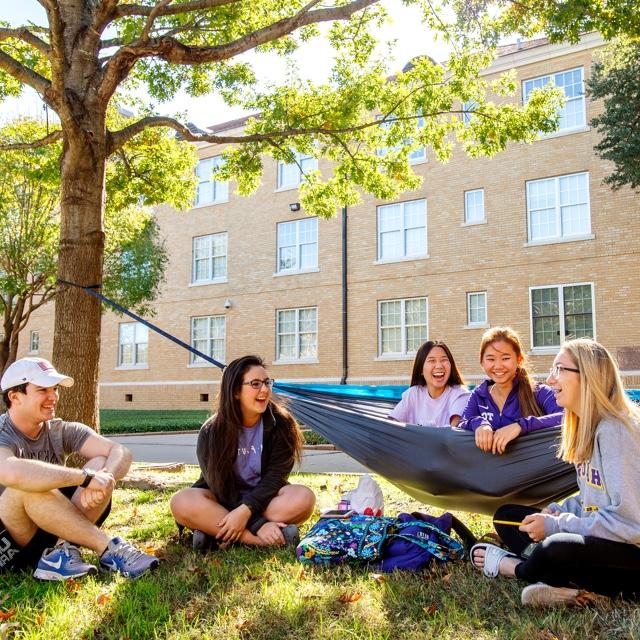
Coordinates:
76	346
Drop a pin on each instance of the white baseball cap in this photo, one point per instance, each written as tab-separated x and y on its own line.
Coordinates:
38	371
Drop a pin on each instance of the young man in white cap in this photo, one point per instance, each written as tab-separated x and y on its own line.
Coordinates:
46	508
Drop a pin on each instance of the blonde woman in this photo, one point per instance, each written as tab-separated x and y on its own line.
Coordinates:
590	541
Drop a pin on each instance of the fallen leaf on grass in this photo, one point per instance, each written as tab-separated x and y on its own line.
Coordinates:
40	618
446	579
195	570
104	598
348	598
5	615
242	623
547	634
301	574
72	585
151	551
431	609
378	577
5	627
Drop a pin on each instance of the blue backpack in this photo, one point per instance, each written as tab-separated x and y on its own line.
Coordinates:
406	542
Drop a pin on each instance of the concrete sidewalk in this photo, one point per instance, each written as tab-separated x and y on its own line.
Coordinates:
181	447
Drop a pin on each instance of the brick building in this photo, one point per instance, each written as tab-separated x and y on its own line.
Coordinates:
531	238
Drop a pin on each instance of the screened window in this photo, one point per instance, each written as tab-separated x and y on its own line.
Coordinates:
402	230
298	245
402	326
474	206
477	308
572	114
290	174
468	109
297	334
558	208
561	313
210	190
34	342
208	336
209	258
415	156
133	344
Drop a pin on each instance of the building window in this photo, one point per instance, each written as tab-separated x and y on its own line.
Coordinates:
298	245
297	334
558	208
560	313
208	336
402	326
210	190
34	342
572	114
474	206
133	344
417	155
290	174
468	110
477	308
209	258
402	230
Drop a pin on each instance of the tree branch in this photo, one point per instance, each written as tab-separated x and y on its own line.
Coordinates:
186	7
22	33
175	52
24	74
54	136
155	12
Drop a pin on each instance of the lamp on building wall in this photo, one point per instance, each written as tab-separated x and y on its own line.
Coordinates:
294	206
228	303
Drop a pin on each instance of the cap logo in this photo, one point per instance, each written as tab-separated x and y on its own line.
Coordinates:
44	365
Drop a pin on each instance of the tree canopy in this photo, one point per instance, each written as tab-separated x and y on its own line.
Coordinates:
89	54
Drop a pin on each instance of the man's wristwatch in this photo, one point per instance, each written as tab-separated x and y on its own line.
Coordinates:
89	474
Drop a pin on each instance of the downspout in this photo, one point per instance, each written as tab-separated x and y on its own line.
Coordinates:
345	352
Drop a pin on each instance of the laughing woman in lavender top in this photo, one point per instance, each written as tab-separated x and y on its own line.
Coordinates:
509	403
246	453
437	394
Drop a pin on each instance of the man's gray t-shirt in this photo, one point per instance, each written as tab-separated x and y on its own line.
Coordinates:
56	440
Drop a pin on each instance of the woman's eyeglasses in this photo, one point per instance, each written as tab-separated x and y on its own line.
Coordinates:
257	384
554	372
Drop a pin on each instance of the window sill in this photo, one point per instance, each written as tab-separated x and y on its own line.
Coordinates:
544	351
131	367
203	283
213	203
418	161
289	188
296	361
295	272
486	325
406	259
474	223
566	132
395	357
540	243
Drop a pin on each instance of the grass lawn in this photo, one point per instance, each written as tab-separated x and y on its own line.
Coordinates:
246	593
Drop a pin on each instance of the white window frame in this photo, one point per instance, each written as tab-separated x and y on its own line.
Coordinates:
467	220
197	361
477	323
417	156
402	229
552	349
212	277
219	189
550	79
303	163
297	333
34	342
404	353
139	332
298	245
559	235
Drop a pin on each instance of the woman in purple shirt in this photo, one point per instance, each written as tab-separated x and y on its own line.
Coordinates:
509	403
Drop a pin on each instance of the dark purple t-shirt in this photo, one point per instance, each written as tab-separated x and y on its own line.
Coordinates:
248	464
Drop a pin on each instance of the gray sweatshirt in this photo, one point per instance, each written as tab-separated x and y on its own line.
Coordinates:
608	504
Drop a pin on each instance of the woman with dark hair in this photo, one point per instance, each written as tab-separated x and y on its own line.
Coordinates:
509	402
437	395
246	452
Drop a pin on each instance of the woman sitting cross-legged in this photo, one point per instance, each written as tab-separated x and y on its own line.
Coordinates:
246	452
590	541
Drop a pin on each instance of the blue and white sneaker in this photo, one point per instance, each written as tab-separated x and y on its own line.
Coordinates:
62	562
123	557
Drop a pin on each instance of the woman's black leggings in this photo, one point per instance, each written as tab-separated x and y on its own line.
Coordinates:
569	559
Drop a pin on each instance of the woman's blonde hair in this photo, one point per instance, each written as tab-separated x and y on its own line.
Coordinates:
601	394
526	396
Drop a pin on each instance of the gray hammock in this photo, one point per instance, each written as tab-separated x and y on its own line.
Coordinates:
435	465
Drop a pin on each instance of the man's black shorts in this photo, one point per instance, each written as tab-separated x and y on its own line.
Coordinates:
14	557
